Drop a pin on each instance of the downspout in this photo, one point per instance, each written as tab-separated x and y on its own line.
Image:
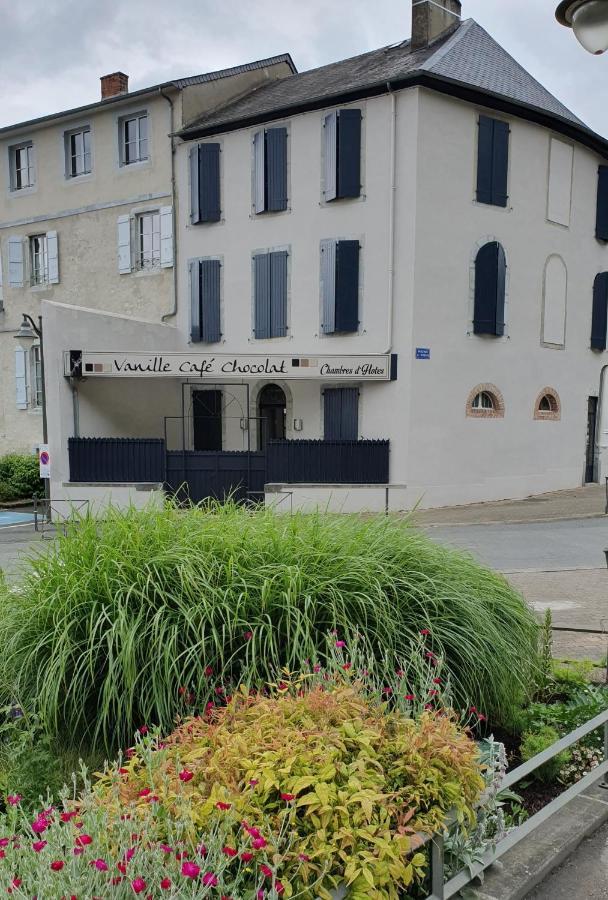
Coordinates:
597	438
391	219
173	204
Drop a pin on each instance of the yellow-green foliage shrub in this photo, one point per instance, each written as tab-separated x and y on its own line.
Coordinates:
350	781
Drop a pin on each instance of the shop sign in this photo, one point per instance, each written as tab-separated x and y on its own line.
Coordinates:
224	367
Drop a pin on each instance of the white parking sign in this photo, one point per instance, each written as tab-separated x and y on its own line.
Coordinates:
44	458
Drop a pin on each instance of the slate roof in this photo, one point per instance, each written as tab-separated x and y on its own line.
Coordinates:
468	56
177	83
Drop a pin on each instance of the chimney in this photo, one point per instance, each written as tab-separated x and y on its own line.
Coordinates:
432	19
114	84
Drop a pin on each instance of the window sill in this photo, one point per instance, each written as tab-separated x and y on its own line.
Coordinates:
79	179
502	209
143	273
140	164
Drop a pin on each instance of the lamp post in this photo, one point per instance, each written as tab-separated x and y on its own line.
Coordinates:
589	21
27	334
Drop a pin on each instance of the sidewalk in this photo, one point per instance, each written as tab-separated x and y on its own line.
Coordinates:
579	503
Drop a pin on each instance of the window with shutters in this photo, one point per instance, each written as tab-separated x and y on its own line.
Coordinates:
39	259
339	286
342	154
205	204
601	223
270	170
77	152
35	373
599	315
492	161
490	276
22	168
133	138
270	294
341	414
205	294
148	240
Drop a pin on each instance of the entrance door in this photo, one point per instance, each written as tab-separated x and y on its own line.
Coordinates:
272	412
591	430
207	420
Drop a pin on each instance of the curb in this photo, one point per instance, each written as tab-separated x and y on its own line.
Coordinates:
528	864
556	518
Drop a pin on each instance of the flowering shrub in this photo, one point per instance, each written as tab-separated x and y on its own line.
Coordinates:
118	615
352	783
582	760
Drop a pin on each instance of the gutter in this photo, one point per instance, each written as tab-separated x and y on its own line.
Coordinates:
173	311
418	78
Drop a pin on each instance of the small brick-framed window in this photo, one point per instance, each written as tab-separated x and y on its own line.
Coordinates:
548	405
485	402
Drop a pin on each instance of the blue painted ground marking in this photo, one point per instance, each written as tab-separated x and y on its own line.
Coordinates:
8	517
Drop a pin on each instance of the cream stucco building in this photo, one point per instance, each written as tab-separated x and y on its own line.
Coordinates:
391	284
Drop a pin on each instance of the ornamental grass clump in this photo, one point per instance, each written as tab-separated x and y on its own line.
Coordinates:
144	615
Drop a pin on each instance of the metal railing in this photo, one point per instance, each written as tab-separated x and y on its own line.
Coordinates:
443	890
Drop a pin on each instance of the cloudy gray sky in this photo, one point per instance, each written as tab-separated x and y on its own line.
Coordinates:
52	52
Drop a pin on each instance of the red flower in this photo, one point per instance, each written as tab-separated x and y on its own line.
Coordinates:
165	848
122	867
143	729
399	673
100	864
433	693
182	691
248	635
288	797
208	671
387	691
210	880
282	686
246	856
186	775
229	851
253	782
410	697
38	846
14	799
278	887
436	680
425	632
472	709
57	865
165	884
259	843
138	885
481	717
121	771
316	669
190	870
145	792
303	858
84	839
223	806
347	666
266	871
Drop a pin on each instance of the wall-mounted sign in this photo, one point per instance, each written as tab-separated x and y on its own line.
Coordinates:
224	367
44	460
423	352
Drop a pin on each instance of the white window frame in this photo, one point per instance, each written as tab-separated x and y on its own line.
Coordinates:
153	263
123	122
35	387
85	155
481	405
16	182
39	260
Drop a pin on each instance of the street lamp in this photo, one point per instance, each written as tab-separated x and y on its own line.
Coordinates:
589	21
27	334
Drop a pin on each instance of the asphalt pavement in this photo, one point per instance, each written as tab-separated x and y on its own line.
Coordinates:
583	877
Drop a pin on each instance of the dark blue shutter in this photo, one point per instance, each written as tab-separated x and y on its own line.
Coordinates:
210	300
599	318
490	284
278	293
261	276
341	414
276	169
195	301
601	222
492	161
349	153
209	183
347	286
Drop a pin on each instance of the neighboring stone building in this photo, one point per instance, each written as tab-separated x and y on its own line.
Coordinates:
406	247
87	215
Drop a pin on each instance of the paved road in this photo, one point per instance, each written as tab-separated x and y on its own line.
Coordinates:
540	546
583	877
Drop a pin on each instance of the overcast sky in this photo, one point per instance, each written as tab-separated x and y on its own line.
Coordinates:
52	52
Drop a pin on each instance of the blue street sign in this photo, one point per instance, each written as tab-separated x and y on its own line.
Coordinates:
423	353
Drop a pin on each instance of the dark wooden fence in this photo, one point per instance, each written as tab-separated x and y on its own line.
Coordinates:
328	462
126	460
199	474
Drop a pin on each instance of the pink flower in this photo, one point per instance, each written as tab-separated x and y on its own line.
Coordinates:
410	697
210	880
246	856
14	799
282	686
425	632
266	870
248	635
99	864
68	816
166	849
303	858
145	792
84	840
38	846
259	843
77	851
138	885
122	867
185	775
340	644
191	870
253	782
165	884
288	797
4	842
57	865
130	853
208	671
278	887
223	806
229	851
39	825
16	882
316	669
481	717
143	729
